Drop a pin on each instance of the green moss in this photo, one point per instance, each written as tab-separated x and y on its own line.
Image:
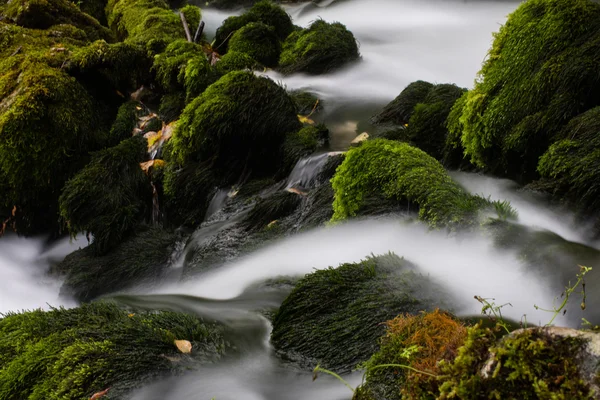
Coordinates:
321	48
188	192
399	110
333	317
171	106
453	150
110	196
113	67
170	66
140	259
301	144
235	60
529	364
71	354
48	123
539	74
148	23
239	123
427	125
193	16
42	14
263	11
403	173
125	122
306	102
95	8
259	41
571	166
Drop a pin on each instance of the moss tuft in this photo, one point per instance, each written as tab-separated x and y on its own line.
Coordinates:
259	41
333	316
399	110
72	354
321	48
403	173
417	341
110	196
235	60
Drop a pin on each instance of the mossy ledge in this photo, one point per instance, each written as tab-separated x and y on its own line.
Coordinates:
74	353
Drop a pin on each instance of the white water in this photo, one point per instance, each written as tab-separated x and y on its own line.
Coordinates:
24	283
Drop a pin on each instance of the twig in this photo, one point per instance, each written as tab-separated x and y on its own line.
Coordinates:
199	31
186	28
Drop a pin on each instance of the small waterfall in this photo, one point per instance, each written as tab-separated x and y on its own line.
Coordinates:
306	170
217	202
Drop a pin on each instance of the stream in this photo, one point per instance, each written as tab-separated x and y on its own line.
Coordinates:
400	41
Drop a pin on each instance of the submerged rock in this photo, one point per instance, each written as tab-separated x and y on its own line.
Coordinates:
321	48
334	317
74	353
141	259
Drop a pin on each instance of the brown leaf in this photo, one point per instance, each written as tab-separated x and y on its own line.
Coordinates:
305	120
184	346
99	394
147	164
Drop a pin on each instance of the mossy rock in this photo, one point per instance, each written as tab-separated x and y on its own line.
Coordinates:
400	172
301	144
263	11
140	259
238	124
453	150
95	8
125	122
110	196
259	41
149	23
188	192
527	364
306	102
321	48
399	110
74	353
570	169
171	106
234	61
540	72
105	67
48	124
182	64
406	365
333	317
42	14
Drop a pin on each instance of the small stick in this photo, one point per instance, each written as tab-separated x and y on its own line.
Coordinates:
186	28
199	31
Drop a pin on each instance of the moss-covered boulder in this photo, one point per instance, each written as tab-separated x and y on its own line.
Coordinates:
406	366
399	110
570	169
95	8
149	23
72	354
141	259
238	124
541	71
235	60
301	144
321	48
110	196
259	41
405	174
107	68
334	317
538	363
263	11
307	103
42	14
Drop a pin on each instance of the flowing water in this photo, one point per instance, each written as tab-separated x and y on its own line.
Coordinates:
401	41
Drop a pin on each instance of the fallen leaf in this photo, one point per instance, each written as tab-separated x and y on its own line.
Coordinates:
99	394
147	164
184	346
297	191
305	120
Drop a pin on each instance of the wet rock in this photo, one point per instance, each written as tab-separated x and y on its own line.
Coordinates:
141	259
